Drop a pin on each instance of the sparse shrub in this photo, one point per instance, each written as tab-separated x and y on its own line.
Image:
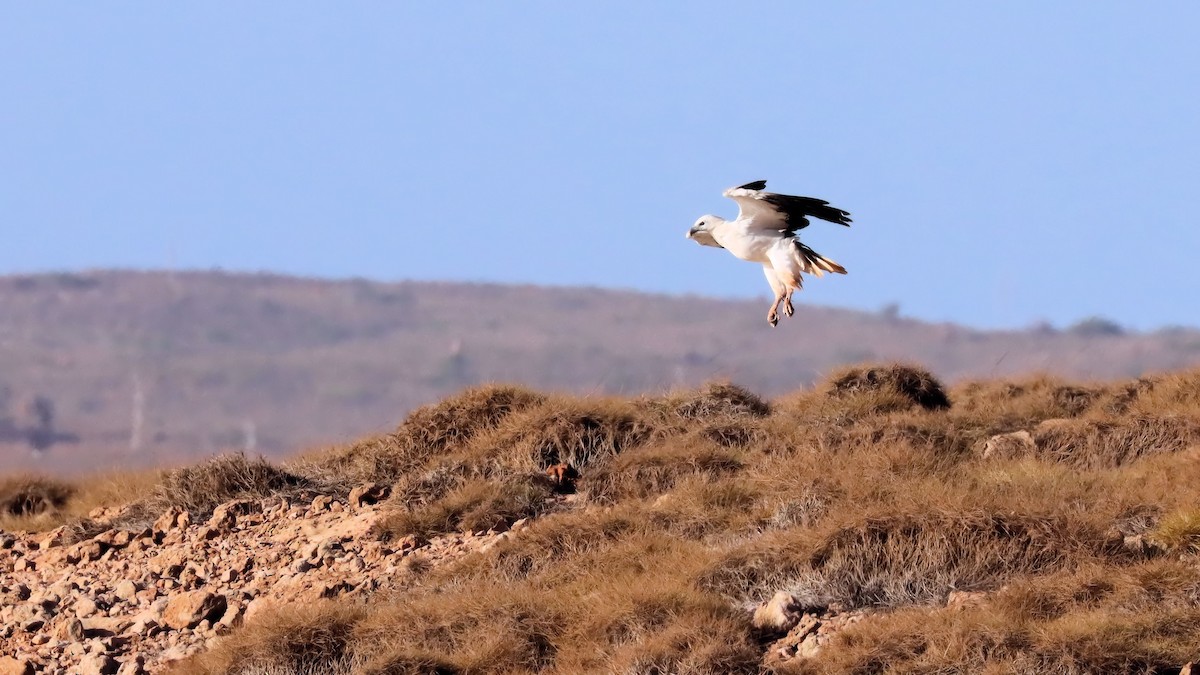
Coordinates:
898	385
409	664
699	507
422	487
455	420
578	432
555	548
1075	400
731	435
655	469
1113	442
27	496
313	638
804	508
473	506
1180	531
1094	620
430	430
715	400
898	560
200	489
1005	406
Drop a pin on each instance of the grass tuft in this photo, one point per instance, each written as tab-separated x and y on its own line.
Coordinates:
28	496
899	386
201	488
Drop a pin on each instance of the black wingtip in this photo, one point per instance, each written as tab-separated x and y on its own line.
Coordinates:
755	185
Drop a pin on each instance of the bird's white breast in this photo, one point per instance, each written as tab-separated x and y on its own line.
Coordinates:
746	243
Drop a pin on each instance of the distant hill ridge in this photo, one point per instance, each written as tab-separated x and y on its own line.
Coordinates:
122	367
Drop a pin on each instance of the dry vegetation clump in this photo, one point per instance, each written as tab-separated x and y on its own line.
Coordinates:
656	468
1113	441
1180	531
498	476
579	432
312	638
430	430
715	400
896	386
33	495
904	559
1164	394
476	505
201	488
38	503
557	550
1009	405
1141	619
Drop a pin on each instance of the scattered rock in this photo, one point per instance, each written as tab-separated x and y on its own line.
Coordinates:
167	521
134	665
14	594
127	590
779	614
1004	446
187	610
56	537
809	635
225	516
85	607
174	588
15	666
370	493
97	664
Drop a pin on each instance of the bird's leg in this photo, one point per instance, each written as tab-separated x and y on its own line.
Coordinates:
778	288
787	302
773	315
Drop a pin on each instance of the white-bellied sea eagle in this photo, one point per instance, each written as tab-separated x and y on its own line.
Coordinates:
765	232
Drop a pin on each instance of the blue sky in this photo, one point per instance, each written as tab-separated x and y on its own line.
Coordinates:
1004	162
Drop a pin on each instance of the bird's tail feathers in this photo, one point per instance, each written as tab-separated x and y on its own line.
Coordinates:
814	263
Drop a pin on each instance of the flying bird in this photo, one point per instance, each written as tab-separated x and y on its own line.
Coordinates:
765	232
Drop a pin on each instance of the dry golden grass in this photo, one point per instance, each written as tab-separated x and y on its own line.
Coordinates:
868	491
474	506
430	430
906	385
201	488
32	495
1143	618
714	399
38	503
1180	531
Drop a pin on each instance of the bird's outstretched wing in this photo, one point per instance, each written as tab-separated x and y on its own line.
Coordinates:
785	213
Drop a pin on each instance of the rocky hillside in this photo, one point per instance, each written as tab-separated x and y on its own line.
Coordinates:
133	600
879	522
121	369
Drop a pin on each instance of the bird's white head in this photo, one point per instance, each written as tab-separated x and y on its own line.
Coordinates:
704	225
702	231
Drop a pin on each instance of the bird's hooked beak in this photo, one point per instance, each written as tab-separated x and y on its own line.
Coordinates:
693	231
